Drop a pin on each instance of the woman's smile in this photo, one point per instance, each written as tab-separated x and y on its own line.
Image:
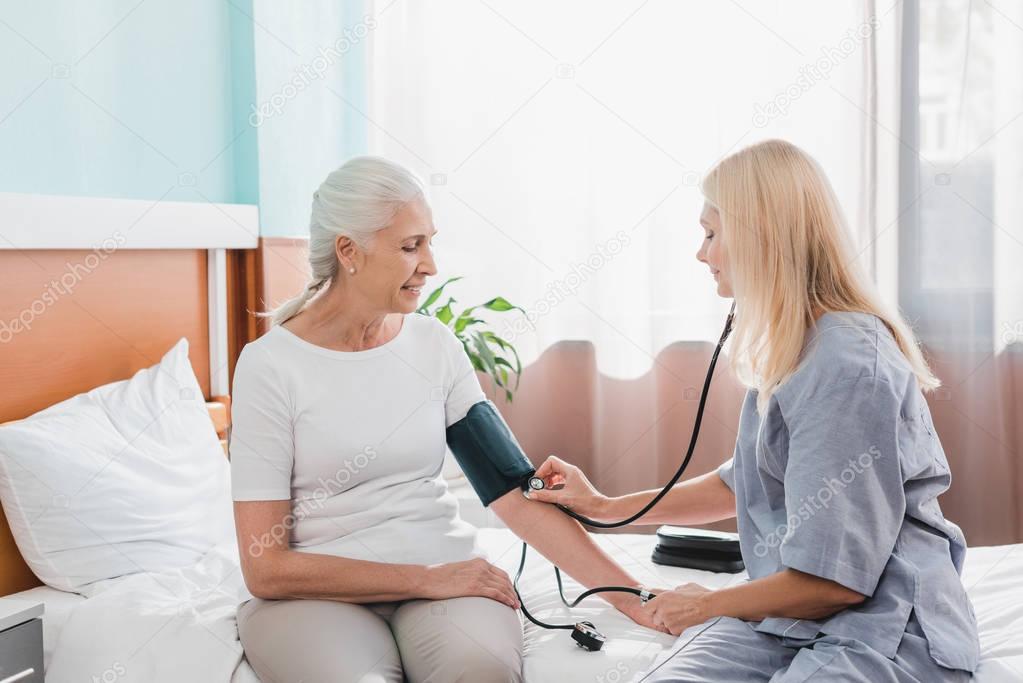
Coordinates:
414	290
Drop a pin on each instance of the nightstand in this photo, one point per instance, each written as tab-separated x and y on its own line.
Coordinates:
21	641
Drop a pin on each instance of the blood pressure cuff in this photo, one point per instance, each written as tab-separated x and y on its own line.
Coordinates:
488	454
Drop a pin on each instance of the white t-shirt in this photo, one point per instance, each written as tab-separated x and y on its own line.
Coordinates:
356	440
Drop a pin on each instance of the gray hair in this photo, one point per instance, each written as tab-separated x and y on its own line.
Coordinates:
355	201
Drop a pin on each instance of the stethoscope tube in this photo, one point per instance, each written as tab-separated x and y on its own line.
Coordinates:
689	453
643	594
522	603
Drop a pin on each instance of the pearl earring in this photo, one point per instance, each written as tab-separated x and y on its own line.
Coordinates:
351	270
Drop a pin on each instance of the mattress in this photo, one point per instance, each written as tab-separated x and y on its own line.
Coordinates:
991	575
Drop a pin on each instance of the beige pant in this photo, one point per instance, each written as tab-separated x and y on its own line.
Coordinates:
314	641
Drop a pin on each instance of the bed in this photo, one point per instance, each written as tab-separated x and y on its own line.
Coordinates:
992	576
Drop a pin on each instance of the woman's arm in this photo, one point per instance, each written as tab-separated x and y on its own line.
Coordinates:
697	501
788	593
273	571
565	543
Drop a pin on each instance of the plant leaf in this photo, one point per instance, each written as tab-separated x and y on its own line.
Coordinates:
482	347
499	303
504	372
506	346
474	358
444	313
487	357
462	323
467	312
435	294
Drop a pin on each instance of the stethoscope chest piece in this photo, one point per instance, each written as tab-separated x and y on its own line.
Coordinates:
536	483
586	636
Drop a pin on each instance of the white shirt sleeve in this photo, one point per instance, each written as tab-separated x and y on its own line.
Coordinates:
262	444
462	386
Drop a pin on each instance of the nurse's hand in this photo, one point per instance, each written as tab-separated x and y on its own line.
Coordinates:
679	609
475	577
631	607
575	490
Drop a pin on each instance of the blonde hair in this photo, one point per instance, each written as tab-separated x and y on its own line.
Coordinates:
356	200
789	258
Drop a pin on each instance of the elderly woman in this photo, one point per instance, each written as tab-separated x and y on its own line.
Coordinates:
350	542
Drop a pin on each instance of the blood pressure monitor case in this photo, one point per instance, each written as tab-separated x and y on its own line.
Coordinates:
714	551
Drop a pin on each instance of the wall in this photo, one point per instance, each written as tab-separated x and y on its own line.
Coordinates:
155	100
124	99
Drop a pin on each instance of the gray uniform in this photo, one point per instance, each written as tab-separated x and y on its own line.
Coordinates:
840	480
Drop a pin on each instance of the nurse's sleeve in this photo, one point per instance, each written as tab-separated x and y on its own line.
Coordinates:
726	471
844	493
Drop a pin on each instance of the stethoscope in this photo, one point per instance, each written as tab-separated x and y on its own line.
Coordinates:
585	633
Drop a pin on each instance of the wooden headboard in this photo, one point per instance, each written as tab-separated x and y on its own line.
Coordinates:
113	302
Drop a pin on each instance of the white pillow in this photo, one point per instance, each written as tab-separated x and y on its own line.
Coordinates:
126	478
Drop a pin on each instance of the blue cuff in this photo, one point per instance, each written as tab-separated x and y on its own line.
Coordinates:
488	453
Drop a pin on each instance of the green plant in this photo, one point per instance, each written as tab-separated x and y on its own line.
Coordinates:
487	351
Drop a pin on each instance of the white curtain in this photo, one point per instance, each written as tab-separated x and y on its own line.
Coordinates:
969	175
961	238
564	143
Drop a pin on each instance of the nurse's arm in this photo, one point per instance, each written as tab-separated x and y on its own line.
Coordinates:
789	593
565	543
699	500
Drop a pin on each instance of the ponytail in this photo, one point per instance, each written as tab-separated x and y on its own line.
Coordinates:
290	308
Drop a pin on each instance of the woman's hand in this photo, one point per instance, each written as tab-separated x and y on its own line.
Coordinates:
475	577
637	611
677	610
576	492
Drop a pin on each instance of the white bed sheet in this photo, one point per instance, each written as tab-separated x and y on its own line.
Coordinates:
57	606
993	577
